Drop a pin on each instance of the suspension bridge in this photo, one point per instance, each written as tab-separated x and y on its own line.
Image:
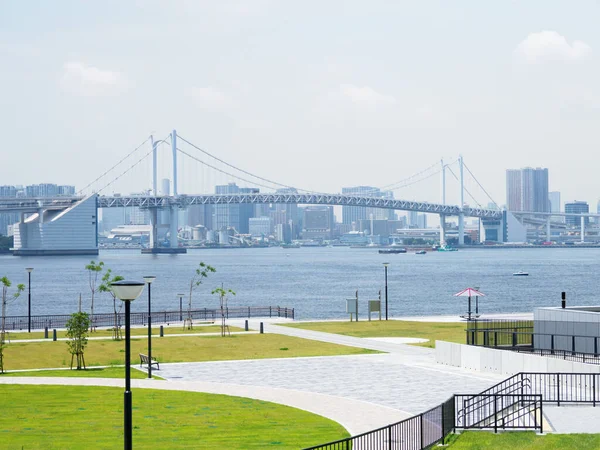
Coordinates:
46	223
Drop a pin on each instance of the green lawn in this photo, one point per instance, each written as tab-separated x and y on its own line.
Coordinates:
443	331
92	372
136	331
525	440
49	354
84	417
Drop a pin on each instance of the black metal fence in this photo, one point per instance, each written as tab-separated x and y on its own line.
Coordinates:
519	336
141	318
513	404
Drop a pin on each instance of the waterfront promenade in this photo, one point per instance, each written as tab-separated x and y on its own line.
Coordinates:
360	392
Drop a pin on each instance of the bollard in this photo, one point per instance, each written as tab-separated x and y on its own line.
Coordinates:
54	334
162	331
563	302
246	325
262	330
45	332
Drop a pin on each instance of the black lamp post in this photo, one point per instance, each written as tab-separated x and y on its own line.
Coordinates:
29	270
127	291
149	279
180	307
386	290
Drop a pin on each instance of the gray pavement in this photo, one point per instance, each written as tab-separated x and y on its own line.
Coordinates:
361	392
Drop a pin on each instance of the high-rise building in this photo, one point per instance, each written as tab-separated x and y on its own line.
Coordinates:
318	222
354	214
234	215
554	198
260	226
290	210
413	219
422	221
577	207
527	190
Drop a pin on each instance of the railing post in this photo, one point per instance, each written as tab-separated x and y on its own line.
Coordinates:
541	415
443	428
596	347
594	376
573	345
495	339
514	339
558	389
552	344
495	414
486	338
532	341
421	429
248	312
389	437
269	311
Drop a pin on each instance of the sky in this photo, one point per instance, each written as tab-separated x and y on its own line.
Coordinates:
315	94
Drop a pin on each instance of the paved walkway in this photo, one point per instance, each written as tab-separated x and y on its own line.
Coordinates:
361	392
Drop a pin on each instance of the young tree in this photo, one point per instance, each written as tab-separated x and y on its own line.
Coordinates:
77	332
6	284
201	272
222	293
107	279
93	272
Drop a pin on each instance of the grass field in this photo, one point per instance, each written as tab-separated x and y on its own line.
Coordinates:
84	417
39	355
135	331
443	331
94	372
525	440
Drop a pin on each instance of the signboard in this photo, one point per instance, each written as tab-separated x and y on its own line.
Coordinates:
351	305
374	305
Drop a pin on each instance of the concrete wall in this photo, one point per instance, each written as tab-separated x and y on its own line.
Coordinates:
578	321
503	362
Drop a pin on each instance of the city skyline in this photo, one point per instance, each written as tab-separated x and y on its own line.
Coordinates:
380	89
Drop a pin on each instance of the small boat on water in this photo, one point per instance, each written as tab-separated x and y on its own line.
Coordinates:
520	273
388	251
421	252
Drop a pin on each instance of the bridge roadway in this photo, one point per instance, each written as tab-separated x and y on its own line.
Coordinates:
183	201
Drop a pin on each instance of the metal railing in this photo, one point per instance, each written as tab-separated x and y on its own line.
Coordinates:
513	404
564	346
14	323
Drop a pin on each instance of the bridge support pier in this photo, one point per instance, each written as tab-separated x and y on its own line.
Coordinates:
548	234
174	242
461	229
582	229
154	232
442	229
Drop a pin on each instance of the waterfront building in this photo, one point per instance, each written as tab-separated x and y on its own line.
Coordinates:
422	221
290	209
73	231
527	190
234	215
200	215
259	226
577	207
356	213
318	222
413	219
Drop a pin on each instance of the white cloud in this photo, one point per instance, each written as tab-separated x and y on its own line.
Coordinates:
365	95
551	46
81	79
210	98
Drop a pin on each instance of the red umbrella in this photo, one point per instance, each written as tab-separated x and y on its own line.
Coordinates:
469	292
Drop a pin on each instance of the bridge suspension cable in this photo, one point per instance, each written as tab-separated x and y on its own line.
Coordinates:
227	173
233	167
113	167
482	188
466	190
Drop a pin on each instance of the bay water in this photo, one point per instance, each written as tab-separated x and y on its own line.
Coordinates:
316	281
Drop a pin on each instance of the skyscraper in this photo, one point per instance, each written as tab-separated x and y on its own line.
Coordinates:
577	207
527	190
354	214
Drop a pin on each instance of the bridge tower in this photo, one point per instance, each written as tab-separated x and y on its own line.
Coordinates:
172	204
443	216
461	214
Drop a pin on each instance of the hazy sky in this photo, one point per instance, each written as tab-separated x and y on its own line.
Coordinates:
313	94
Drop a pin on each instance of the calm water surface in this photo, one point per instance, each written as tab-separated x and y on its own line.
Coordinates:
316	281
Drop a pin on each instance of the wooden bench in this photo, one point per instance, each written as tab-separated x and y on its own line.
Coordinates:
144	360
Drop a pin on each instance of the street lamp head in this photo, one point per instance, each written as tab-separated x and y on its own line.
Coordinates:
127	290
386	264
149	278
29	269
180	295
